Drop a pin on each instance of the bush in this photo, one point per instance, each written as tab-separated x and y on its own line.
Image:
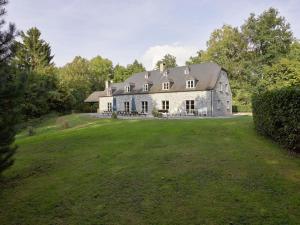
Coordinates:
114	115
31	131
241	108
276	114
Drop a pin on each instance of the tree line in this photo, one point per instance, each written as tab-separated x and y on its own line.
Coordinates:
261	54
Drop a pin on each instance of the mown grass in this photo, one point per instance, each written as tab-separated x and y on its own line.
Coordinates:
214	171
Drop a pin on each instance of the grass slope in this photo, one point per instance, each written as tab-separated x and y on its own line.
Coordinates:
214	171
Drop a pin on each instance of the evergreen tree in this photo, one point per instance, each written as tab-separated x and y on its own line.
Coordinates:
33	53
9	93
168	60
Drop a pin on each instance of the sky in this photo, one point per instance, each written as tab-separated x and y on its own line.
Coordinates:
146	30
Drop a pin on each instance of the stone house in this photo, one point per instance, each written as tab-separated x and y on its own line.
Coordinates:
199	89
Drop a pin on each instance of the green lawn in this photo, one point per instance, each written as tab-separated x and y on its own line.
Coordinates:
211	171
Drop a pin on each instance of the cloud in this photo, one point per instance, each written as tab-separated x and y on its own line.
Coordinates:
157	52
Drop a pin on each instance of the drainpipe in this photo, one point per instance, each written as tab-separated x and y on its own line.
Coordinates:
211	103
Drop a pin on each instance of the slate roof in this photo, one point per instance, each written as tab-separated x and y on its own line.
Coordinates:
205	75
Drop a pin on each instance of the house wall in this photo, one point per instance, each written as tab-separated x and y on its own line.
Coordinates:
203	100
222	96
176	101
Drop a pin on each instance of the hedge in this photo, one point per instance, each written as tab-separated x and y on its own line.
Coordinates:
241	108
276	114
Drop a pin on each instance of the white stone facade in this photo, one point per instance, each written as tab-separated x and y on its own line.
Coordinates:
216	102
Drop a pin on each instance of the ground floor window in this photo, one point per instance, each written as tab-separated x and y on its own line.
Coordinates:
109	107
228	105
165	105
190	106
126	106
219	104
144	107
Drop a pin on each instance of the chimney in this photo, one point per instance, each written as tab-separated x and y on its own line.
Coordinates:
106	84
161	67
111	81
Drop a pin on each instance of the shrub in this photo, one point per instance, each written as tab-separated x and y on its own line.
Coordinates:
276	114
30	131
241	108
114	115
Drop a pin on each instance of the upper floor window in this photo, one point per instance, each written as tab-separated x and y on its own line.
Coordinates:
220	86
146	87
166	85
190	83
127	88
226	88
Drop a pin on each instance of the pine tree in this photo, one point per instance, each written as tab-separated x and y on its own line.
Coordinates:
33	53
8	94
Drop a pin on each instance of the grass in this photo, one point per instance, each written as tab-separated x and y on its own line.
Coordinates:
214	171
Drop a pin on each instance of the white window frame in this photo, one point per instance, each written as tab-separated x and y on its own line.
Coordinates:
190	84
165	105
126	106
144	107
226	88
127	88
146	87
219	104
220	86
165	86
109	107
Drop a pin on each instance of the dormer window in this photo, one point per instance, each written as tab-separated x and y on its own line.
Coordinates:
187	71
165	73
166	85
146	87
190	84
127	88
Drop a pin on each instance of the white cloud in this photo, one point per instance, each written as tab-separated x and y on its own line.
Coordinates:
155	53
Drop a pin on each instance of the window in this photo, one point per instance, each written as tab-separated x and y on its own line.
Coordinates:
126	106
220	86
146	76
219	104
165	105
190	84
146	87
228	105
190	106
166	85
127	88
186	71
226	88
109	108
144	107
165	73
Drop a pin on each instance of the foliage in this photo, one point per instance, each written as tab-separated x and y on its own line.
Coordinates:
30	131
219	170
100	70
33	53
9	95
114	115
168	60
121	73
135	67
294	53
276	114
285	73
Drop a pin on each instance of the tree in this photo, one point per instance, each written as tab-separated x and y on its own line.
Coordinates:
135	67
75	77
294	53
101	69
168	60
195	59
33	53
9	94
120	73
269	37
284	73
